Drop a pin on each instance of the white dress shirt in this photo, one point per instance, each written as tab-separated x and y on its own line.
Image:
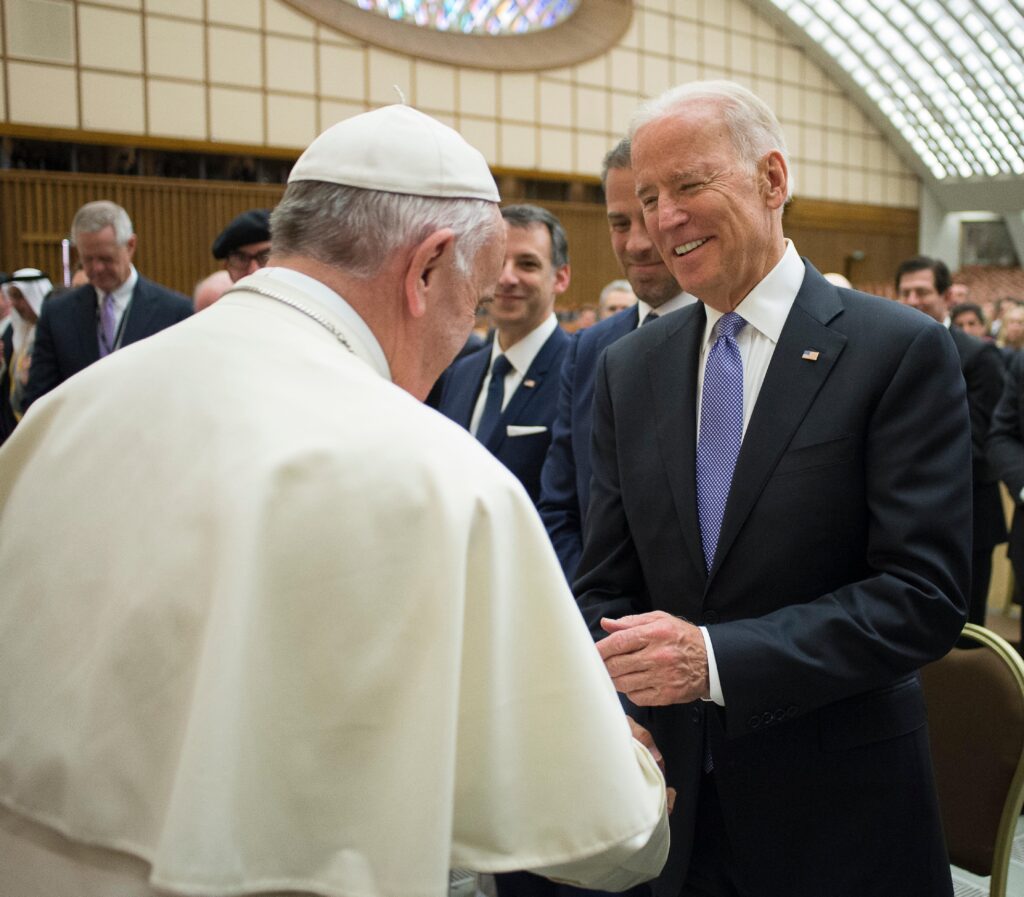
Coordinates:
122	297
666	308
765	310
520	356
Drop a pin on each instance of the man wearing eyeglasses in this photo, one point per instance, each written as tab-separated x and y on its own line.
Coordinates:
244	245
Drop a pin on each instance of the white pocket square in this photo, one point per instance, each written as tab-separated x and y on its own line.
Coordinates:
514	430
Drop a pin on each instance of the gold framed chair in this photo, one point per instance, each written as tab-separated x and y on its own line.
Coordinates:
975	698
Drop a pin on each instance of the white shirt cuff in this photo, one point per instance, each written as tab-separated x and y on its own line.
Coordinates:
714	683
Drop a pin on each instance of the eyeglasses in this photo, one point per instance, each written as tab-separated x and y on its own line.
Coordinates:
242	261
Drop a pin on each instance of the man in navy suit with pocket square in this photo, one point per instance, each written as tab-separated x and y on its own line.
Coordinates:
117	307
778	535
506	394
565	478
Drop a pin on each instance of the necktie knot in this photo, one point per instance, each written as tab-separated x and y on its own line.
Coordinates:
500	367
651	316
730	324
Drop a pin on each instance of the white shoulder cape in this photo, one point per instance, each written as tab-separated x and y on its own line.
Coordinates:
268	623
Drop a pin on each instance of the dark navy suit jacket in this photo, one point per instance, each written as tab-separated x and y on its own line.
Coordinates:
66	337
842	567
530	405
565	478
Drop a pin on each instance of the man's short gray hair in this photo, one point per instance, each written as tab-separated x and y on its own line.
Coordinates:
616	286
753	127
94	216
357	230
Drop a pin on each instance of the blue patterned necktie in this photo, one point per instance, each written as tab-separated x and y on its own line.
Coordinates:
721	430
495	397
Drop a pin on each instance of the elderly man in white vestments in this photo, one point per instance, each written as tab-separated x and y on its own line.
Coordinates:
338	657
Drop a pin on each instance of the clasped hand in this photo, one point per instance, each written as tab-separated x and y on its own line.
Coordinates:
655	659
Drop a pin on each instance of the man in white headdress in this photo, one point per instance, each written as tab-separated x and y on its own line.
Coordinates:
25	291
338	656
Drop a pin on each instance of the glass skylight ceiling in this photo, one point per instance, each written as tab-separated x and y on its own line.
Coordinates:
948	74
494	17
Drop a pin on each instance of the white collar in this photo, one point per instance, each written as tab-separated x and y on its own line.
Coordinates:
671	305
122	294
521	355
767	306
325	296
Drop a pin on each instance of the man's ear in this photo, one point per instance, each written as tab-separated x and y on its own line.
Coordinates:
562	277
774	177
429	258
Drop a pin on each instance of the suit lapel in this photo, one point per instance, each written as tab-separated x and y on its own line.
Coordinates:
528	387
789	388
464	401
140	310
86	326
674	361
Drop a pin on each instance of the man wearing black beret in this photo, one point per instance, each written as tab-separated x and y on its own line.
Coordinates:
244	245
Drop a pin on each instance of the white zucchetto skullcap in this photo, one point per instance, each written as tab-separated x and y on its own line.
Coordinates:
399	150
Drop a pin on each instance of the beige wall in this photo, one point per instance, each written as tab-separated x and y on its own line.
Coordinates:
256	72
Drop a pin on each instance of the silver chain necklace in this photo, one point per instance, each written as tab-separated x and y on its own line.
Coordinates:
308	312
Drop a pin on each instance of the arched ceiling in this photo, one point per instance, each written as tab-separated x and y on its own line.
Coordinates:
943	78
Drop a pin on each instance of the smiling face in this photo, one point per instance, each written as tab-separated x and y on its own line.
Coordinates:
633	247
529	283
716	220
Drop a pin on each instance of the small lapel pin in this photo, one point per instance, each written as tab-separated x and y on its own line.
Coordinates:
810	355
529	384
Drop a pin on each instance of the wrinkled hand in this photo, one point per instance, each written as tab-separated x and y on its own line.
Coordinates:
655	659
646	739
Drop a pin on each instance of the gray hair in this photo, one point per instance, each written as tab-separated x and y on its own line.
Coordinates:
616	286
94	216
753	127
357	230
617	157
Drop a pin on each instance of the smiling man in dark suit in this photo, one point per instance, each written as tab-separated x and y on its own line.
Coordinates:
779	531
116	307
565	478
506	393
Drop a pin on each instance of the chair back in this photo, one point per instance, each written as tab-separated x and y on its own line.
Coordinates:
975	699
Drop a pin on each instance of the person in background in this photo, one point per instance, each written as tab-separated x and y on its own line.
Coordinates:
586	316
924	283
506	393
778	535
244	245
565	477
210	289
117	307
1011	330
615	297
337	656
968	317
1005	451
25	291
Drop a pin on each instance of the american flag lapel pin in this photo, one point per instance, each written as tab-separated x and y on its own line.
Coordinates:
810	355
529	384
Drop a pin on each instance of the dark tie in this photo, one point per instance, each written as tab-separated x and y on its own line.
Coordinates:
651	316
495	396
721	430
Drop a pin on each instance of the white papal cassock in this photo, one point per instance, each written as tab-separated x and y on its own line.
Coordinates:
269	624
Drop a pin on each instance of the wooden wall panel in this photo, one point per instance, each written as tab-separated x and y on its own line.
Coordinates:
177	220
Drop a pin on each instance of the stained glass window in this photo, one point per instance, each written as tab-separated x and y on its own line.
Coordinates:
493	17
